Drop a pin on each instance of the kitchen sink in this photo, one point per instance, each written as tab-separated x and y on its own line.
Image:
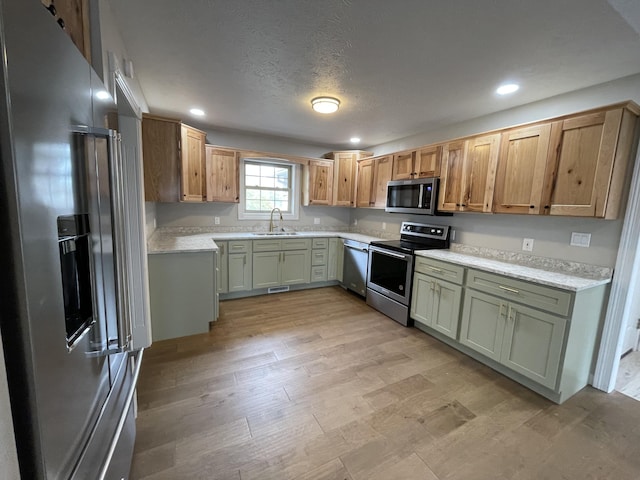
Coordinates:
275	234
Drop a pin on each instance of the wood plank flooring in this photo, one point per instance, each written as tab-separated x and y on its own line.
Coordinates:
628	379
315	385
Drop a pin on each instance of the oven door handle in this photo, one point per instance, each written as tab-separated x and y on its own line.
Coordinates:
390	254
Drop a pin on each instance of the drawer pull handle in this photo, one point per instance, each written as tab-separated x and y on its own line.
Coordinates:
438	270
512	290
237	246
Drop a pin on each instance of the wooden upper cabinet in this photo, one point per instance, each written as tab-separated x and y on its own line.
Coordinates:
480	173
344	176
320	178
222	175
590	157
403	168
454	156
193	165
420	163
75	16
520	177
364	183
161	159
382	174
427	162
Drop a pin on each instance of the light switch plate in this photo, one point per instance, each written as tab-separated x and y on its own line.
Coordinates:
580	239
384	225
527	244
216	220
316	221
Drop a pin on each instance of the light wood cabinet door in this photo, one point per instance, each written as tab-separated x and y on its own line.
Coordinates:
161	159
365	183
344	184
585	150
520	177
482	324
403	165
480	173
533	344
454	156
193	165
382	172
320	179
222	175
427	162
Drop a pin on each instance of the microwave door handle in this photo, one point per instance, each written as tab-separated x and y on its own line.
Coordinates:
420	195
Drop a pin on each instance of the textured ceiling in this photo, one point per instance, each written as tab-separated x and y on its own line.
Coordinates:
399	67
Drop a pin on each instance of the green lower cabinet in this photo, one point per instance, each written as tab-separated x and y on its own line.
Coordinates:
266	269
524	339
239	268
295	267
482	325
532	344
436	303
222	275
273	269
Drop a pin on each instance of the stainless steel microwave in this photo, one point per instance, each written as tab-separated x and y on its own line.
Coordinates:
417	196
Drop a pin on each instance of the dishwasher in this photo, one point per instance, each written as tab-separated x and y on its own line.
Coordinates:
356	259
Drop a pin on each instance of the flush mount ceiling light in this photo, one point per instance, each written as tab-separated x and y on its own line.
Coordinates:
354	139
197	112
325	104
507	88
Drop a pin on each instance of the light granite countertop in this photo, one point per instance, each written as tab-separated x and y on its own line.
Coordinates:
591	277
193	241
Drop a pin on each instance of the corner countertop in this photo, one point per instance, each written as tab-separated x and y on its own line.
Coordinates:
590	275
177	241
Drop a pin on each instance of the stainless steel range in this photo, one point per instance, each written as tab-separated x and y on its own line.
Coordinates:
391	268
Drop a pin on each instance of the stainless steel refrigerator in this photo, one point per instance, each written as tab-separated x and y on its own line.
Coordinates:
67	292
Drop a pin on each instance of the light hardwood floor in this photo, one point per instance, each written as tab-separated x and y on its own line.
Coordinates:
315	385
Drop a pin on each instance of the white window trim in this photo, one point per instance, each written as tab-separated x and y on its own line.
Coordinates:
295	190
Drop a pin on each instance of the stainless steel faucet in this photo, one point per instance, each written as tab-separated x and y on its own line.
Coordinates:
271	220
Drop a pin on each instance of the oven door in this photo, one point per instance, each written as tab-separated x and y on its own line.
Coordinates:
390	273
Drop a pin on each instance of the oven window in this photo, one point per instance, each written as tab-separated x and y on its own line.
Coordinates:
404	196
389	272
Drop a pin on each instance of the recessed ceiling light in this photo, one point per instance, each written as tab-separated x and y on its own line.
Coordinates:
325	104
507	88
354	139
102	95
197	112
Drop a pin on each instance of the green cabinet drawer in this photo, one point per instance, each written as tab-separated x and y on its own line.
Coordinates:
536	296
319	257
319	273
267	245
239	246
442	270
296	244
320	243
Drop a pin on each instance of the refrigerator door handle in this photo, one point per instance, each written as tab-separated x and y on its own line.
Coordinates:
123	340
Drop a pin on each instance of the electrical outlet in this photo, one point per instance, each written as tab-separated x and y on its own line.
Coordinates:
384	225
527	244
355	221
580	239
216	220
452	237
316	221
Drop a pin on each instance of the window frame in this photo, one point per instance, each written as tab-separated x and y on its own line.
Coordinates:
294	198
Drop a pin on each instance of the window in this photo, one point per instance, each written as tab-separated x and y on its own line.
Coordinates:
267	184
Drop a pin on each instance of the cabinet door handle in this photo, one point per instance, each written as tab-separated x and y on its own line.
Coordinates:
511	314
222	249
432	285
503	312
244	260
507	289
